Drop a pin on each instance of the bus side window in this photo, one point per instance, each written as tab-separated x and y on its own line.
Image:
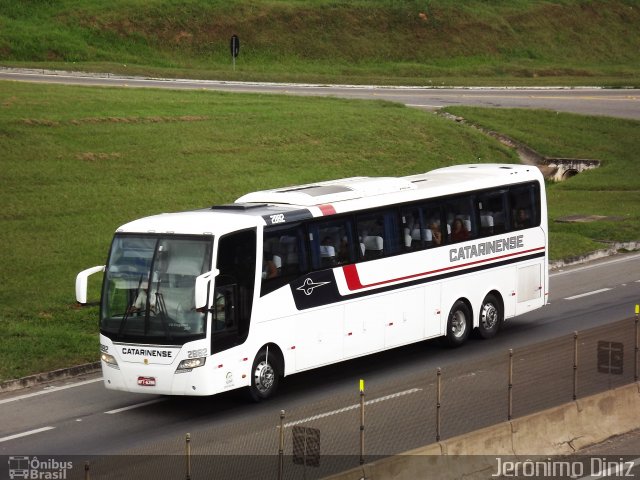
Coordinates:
379	234
331	243
491	208
524	202
460	219
412	228
284	256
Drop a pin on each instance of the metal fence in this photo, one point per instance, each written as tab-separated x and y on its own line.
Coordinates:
457	399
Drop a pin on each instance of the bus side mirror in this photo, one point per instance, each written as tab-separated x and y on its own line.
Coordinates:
81	283
202	288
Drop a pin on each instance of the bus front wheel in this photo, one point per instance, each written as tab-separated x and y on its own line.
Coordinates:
458	325
264	376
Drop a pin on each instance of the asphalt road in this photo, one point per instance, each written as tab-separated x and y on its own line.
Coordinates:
81	418
623	103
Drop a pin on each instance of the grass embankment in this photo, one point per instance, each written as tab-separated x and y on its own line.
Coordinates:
515	42
78	162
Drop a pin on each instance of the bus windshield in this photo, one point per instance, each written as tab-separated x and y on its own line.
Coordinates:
148	293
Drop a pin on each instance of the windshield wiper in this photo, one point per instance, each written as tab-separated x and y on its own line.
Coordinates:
162	311
129	309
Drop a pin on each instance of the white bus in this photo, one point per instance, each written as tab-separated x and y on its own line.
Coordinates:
290	279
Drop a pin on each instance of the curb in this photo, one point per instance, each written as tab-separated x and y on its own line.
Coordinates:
613	249
38	378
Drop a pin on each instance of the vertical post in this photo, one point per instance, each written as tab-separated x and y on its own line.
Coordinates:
510	390
281	447
438	391
188	456
575	365
361	422
86	471
637	346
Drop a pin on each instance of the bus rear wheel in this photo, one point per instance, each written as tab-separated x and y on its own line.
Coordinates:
458	325
491	317
265	376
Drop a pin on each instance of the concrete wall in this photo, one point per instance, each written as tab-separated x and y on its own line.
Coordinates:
557	431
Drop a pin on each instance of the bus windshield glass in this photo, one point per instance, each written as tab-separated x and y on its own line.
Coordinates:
149	288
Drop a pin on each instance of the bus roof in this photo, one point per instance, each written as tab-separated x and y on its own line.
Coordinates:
442	181
296	203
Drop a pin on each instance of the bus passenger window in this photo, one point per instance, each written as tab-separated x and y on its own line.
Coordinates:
524	201
379	234
331	243
460	220
413	229
284	256
491	207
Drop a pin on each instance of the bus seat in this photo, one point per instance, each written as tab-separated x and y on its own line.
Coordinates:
373	245
486	224
327	251
327	256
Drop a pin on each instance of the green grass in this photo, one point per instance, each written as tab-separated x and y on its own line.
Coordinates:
423	42
78	162
612	190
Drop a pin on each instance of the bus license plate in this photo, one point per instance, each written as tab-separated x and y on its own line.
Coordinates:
147	381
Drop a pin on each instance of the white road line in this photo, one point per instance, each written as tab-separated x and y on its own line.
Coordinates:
420	105
137	405
352	407
595	292
49	390
25	434
596	265
615	471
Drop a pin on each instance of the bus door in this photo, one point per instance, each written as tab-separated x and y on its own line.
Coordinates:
234	286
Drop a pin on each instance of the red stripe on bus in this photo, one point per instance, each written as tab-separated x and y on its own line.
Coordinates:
327	209
353	278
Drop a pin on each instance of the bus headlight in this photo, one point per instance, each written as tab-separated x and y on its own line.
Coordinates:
109	359
191	363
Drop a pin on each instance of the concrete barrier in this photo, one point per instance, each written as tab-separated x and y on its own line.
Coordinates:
557	431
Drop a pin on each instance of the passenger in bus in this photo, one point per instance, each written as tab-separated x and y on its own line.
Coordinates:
458	231
436	233
521	219
269	267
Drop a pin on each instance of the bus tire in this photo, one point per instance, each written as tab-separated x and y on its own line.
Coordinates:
459	324
265	376
491	317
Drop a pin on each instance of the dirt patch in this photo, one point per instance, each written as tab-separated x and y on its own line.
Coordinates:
587	219
92	157
40	122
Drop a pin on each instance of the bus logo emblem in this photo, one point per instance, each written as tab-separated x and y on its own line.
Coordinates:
308	286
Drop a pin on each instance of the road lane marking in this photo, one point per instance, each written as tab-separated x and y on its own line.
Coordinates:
137	405
49	390
595	292
353	407
420	105
25	434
